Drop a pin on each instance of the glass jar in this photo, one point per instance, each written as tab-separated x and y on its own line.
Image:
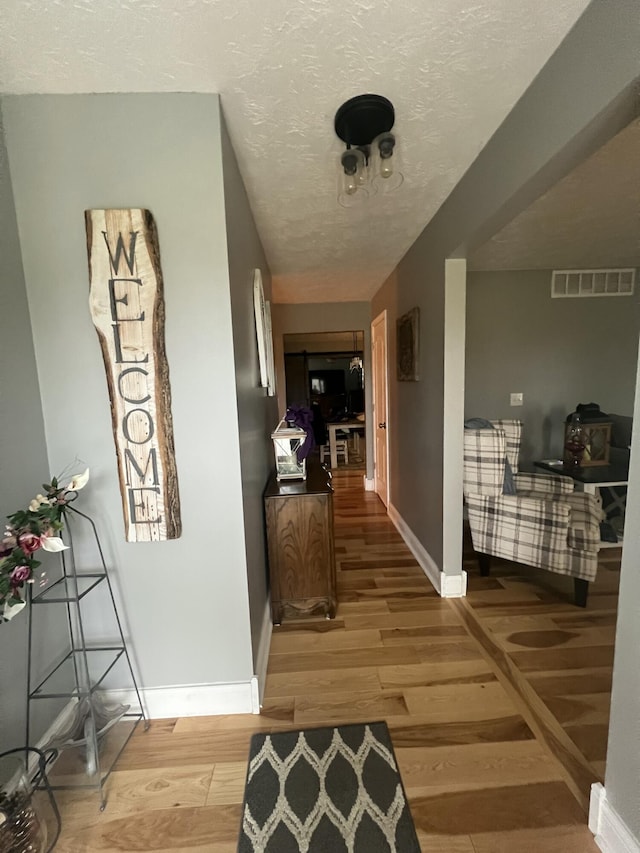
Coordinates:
23	825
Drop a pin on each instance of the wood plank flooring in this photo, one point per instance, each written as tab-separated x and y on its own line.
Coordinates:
497	705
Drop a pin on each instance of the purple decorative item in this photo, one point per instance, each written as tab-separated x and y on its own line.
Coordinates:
302	417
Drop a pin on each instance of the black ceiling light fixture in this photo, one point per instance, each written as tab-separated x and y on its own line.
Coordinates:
364	124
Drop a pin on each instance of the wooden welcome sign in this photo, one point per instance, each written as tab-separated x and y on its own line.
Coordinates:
127	307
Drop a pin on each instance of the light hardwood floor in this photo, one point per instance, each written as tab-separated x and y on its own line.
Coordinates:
497	706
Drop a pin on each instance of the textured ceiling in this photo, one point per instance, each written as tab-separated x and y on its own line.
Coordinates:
453	69
589	219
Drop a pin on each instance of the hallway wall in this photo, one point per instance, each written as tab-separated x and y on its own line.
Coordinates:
256	411
623	754
23	463
184	602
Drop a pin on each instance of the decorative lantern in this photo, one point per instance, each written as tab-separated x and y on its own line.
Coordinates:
287	440
596	440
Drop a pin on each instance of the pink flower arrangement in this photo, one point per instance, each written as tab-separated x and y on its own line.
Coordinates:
20	574
29	542
29	531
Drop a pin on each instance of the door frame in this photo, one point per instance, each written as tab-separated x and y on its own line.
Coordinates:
381	318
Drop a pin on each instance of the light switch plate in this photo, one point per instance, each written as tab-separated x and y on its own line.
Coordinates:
517	398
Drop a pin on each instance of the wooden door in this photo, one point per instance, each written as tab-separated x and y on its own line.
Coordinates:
381	432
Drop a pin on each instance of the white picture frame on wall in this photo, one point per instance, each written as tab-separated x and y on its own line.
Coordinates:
271	367
259	311
262	311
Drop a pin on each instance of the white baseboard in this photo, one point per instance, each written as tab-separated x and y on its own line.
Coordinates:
263	656
611	833
256	697
188	700
416	547
369	485
200	700
453	586
448	586
193	700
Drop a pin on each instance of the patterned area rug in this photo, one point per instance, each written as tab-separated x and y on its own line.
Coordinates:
328	790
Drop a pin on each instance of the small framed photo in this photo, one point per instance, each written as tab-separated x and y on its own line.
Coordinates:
408	346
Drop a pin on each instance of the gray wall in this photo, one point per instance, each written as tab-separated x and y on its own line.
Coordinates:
570	109
623	755
257	413
325	317
415	416
558	352
184	602
23	454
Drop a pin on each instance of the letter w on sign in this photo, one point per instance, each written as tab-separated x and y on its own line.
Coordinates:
127	307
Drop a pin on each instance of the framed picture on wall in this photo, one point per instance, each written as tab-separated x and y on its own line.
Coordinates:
264	335
408	345
259	308
271	368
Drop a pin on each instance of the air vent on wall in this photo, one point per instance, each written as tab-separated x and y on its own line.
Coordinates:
573	283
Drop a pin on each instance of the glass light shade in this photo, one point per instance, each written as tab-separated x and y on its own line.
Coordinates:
387	174
363	174
386	167
386	185
353	199
352	161
354	178
350	184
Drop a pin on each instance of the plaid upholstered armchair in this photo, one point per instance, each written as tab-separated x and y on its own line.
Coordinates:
543	522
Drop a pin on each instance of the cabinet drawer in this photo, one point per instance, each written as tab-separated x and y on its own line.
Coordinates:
300	548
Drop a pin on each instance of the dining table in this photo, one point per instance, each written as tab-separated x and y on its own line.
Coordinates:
345	426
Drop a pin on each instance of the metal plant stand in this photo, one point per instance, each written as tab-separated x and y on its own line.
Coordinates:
90	734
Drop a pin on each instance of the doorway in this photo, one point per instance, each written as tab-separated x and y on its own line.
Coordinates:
380	407
324	371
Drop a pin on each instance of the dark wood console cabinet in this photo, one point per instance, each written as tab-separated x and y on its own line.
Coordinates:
302	569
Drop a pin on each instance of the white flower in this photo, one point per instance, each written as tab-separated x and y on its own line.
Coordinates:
53	544
78	481
11	610
37	502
